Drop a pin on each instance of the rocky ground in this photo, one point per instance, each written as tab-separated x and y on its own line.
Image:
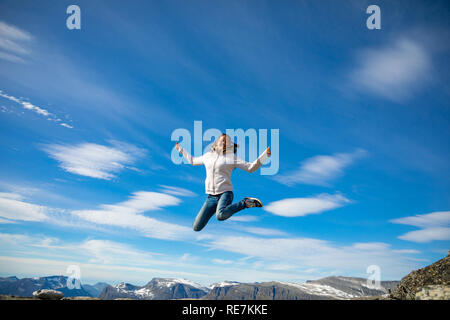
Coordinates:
429	283
425	283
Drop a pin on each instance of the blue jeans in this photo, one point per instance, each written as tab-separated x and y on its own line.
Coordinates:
221	205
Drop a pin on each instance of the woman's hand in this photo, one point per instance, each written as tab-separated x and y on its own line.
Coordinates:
269	152
178	147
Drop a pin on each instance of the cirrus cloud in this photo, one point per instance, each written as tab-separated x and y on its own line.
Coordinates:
94	160
12	207
29	106
129	214
319	254
434	226
394	71
15	42
296	207
321	169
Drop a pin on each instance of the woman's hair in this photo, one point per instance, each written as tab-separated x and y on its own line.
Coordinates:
228	142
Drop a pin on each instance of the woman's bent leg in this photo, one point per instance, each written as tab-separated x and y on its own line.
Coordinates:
225	207
205	213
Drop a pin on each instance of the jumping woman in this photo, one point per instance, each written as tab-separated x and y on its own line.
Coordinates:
219	162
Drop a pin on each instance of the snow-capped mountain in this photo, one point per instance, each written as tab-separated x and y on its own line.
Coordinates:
223	284
156	289
168	282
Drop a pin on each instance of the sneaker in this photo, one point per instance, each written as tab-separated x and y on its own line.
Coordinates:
252	202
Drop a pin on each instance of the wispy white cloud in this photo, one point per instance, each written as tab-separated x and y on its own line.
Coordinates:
29	106
11	57
222	261
188	257
434	226
111	252
246	218
39	255
13	46
264	231
427	235
318	254
114	262
18	207
25	104
129	214
15	42
264	259
94	160
434	219
89	250
296	207
5	221
177	191
11	32
26	243
21	190
11	195
282	259
321	170
412	251
394	71
372	246
13	208
278	258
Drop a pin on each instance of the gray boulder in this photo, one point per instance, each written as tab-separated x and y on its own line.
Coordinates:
47	294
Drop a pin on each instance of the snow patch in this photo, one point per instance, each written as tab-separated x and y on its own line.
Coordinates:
319	289
168	282
144	293
223	284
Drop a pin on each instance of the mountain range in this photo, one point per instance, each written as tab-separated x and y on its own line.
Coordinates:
175	288
322	289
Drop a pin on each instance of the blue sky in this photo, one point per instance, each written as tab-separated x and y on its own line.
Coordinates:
87	115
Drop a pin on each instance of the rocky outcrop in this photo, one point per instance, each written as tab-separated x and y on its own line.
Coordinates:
417	283
433	292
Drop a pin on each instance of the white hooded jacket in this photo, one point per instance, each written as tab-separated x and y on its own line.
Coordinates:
219	167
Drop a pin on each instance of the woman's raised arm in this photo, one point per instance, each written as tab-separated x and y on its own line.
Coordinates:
195	161
252	166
